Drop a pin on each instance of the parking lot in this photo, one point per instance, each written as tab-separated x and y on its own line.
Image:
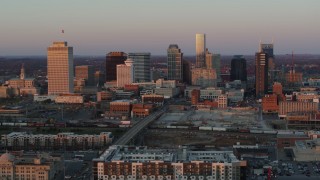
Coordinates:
284	169
77	165
299	168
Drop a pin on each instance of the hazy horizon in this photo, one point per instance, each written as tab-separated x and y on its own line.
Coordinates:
95	28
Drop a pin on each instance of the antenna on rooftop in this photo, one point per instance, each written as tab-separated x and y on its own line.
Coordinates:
260	49
292	63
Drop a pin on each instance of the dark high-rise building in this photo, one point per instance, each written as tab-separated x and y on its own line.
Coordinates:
112	60
99	78
261	74
141	62
174	62
186	72
267	48
238	68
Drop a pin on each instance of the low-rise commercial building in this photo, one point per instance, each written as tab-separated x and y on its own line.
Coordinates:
210	100
105	96
23	85
133	88
121	94
223	101
167	92
161	83
167	88
303	121
32	166
146	85
204	77
69	99
5	92
195	96
306	150
307	97
314	82
188	90
235	95
289	140
120	107
210	93
251	151
277	88
153	99
146	91
41	98
286	107
142	110
270	103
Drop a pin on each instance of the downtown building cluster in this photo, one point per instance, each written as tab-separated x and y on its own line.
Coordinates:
283	93
123	71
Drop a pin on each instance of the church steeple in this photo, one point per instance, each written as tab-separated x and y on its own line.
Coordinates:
22	73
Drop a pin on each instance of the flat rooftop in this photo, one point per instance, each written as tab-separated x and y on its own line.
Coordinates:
143	154
212	156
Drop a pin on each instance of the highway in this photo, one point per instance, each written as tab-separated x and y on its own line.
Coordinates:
133	131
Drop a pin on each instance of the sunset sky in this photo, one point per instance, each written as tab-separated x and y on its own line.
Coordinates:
95	27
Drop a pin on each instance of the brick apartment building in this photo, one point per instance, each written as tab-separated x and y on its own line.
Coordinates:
270	103
142	110
286	107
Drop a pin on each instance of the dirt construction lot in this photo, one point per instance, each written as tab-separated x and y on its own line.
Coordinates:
173	138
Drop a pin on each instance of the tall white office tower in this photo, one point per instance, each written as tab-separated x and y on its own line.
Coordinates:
200	50
125	73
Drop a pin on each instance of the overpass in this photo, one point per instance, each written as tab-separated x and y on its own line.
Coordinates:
133	131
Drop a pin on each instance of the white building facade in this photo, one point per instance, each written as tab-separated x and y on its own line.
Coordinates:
125	73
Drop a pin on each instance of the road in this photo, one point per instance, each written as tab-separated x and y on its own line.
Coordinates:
133	131
261	120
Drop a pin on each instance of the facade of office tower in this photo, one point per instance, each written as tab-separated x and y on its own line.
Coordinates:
261	74
267	48
60	68
85	72
213	62
141	62
125	73
200	50
174	62
238	68
112	60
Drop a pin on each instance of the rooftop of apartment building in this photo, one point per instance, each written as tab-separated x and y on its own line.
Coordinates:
143	154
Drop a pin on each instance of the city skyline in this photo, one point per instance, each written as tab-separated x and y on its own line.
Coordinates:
98	28
159	90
